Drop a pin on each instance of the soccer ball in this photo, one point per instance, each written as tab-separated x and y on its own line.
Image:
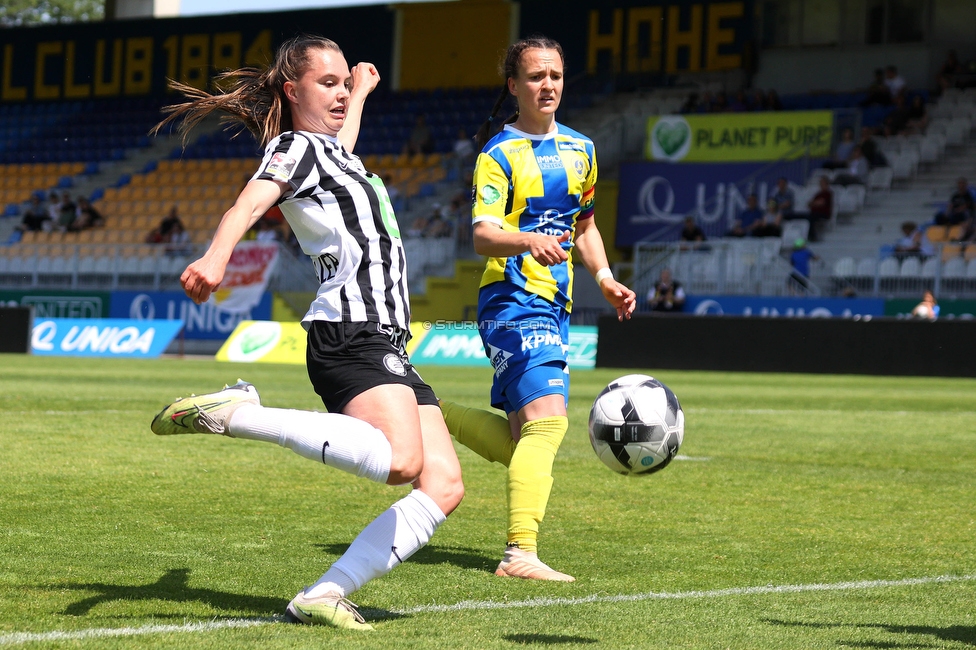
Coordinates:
636	425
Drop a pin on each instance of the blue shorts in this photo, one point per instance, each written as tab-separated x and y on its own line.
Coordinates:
526	338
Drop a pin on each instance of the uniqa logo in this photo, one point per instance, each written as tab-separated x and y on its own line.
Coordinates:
115	340
647	200
670	138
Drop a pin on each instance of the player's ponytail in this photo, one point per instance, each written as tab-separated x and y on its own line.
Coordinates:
253	98
510	70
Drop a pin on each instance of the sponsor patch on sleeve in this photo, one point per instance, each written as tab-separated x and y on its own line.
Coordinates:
490	194
281	166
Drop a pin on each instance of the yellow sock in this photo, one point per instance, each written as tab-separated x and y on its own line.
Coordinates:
530	479
483	432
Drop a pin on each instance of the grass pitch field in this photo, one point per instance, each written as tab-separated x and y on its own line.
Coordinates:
810	512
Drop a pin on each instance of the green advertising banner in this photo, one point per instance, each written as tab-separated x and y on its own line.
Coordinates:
459	344
739	137
947	308
59	304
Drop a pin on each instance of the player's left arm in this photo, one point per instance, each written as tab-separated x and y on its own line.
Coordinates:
589	247
364	78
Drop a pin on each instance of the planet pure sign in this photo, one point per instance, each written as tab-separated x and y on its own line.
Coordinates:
744	137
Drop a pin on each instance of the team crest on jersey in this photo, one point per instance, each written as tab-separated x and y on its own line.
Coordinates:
580	168
490	194
281	166
394	364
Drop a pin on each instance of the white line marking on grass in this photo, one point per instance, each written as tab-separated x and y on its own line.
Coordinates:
468	605
18	638
692	458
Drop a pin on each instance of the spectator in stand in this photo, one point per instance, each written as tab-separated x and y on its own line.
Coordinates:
928	309
857	170
800	260
870	150
421	140
67	211
821	207
758	100
878	93
86	216
785	199
690	105
721	104
772	101
736	230
948	74
177	240
705	103
961	207
842	152
772	222
463	151
667	294
160	234
739	103
918	116
913	242
36	217
896	122
752	215
691	232
54	208
894	81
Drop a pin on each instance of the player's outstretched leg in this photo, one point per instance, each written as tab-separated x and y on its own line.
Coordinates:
204	413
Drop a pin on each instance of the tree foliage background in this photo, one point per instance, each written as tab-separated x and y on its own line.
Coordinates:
14	13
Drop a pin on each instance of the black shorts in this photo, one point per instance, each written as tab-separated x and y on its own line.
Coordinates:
346	359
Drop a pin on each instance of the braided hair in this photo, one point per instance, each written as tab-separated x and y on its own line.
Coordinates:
510	69
253	98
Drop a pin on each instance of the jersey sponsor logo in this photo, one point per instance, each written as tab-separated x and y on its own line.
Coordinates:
281	166
499	359
326	266
490	194
539	338
553	161
555	382
570	146
395	365
517	150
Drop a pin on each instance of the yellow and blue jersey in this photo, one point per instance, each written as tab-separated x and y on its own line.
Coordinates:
535	183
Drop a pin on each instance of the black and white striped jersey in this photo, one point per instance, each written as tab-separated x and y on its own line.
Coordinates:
342	216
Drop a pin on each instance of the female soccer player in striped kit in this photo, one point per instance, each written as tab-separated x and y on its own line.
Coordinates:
533	202
383	422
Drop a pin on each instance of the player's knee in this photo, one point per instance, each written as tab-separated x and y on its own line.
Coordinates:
447	491
406	468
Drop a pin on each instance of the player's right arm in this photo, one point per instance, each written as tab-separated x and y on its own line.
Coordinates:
202	277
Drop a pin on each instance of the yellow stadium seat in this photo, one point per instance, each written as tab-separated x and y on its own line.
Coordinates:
30	237
970	252
99	236
165	165
951	250
84	236
221	164
205	164
936	234
956	232
111	193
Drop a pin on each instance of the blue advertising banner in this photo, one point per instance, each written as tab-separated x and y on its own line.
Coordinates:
102	337
206	321
655	197
772	307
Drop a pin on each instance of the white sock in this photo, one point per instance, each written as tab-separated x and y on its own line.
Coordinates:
388	540
337	440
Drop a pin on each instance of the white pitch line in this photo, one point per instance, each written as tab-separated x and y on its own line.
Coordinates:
469	605
18	638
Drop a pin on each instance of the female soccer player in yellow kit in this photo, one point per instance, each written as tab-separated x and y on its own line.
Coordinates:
533	202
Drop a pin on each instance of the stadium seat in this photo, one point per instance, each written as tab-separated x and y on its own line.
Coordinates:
889	268
910	267
954	268
937	234
930	268
951	250
844	267
971	268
